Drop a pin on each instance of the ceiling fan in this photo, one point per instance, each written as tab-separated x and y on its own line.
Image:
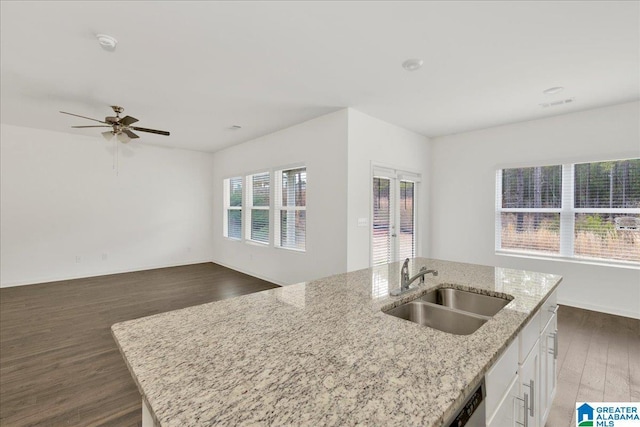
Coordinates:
120	126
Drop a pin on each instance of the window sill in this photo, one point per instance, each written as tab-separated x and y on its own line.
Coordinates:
256	243
300	251
575	260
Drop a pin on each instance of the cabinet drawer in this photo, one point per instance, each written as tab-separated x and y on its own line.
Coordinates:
501	374
505	415
549	308
528	337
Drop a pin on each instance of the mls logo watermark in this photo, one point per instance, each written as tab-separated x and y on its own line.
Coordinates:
608	414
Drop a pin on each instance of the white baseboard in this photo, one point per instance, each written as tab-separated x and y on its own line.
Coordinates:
593	307
47	279
251	273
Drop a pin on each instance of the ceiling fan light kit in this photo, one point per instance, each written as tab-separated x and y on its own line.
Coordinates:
120	126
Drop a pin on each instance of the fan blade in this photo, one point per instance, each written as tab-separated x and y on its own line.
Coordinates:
88	118
97	126
159	132
128	120
108	135
130	134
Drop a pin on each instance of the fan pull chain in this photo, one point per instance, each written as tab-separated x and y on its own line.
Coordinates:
116	165
117	158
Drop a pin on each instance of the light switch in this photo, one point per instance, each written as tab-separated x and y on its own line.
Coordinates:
363	222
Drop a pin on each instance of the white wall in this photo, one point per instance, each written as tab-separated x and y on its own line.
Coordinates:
321	144
372	141
463	195
61	199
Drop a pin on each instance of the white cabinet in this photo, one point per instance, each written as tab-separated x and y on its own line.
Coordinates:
548	367
529	377
524	399
499	378
505	411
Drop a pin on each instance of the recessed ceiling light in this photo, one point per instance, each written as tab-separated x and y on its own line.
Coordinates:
553	90
107	42
412	64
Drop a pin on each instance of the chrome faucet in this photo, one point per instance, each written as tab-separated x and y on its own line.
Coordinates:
405	280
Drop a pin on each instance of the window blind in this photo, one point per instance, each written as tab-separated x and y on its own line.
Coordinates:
406	235
585	210
233	200
607	210
292	210
258	207
382	227
530	208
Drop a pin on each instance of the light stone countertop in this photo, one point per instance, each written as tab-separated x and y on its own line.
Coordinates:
323	352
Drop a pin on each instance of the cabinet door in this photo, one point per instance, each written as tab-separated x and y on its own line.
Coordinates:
548	367
505	414
501	375
530	385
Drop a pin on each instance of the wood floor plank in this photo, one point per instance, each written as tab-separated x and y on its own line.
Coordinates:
617	387
570	373
634	359
580	375
59	365
595	366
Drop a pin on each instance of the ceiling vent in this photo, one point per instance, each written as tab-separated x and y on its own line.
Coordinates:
557	103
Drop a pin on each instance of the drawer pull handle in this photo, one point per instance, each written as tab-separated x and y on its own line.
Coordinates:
553	309
531	386
526	409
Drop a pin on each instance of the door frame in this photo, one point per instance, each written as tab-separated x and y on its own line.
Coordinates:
396	174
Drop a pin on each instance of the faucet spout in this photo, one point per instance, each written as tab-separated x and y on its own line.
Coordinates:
404	273
406	281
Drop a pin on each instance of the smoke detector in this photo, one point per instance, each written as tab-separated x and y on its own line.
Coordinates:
553	90
412	64
107	42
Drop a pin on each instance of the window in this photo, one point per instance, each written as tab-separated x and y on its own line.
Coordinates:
233	208
393	224
291	210
381	241
258	196
585	210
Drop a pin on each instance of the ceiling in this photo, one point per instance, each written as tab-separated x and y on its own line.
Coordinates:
198	68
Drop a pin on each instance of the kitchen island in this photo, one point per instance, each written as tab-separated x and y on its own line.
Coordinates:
323	352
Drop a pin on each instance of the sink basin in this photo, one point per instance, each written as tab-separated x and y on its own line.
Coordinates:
467	301
450	310
438	317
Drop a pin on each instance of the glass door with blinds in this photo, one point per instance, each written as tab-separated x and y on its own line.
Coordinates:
393	231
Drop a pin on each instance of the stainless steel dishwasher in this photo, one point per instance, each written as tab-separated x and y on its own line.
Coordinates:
473	412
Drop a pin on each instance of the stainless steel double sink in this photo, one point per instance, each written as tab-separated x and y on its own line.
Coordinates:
450	310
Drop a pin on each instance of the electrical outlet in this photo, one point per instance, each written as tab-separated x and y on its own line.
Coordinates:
105	256
188	248
78	259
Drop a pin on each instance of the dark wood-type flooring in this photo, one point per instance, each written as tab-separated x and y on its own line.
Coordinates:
598	361
59	364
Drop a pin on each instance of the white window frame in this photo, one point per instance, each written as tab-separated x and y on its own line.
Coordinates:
248	185
567	220
278	207
226	183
